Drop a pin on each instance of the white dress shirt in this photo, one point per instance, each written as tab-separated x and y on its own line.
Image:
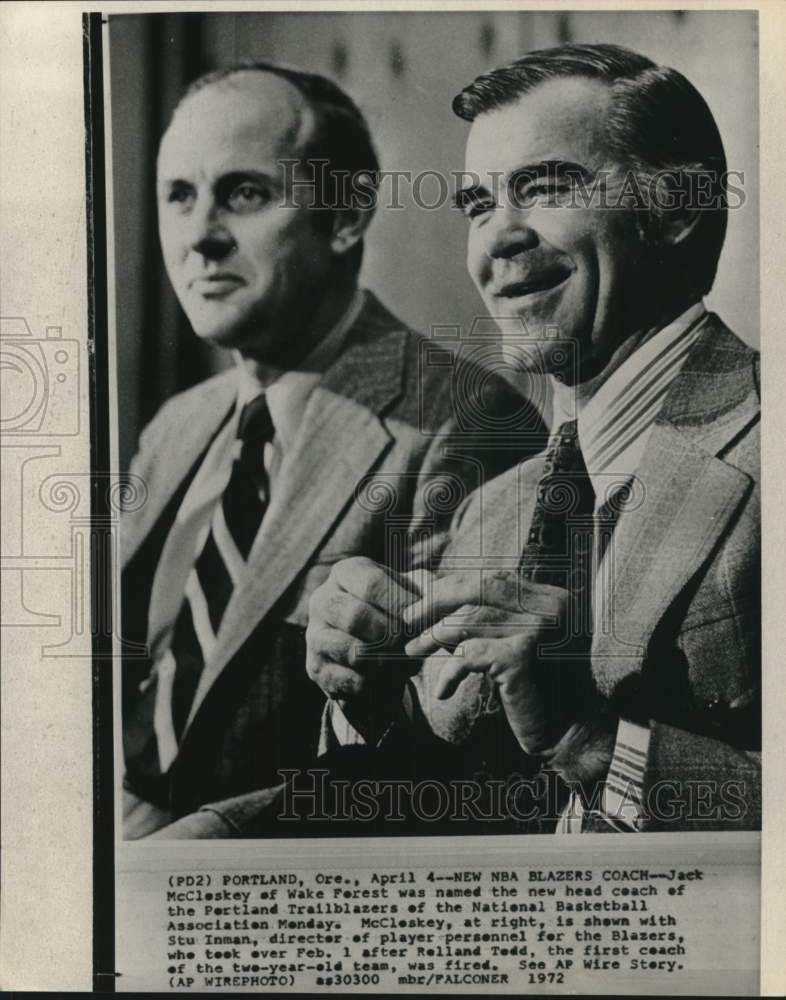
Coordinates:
287	396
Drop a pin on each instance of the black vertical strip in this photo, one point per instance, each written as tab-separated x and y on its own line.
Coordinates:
194	62
98	355
151	366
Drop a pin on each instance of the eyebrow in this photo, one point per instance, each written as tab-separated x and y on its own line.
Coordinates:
467	195
531	171
225	180
225	183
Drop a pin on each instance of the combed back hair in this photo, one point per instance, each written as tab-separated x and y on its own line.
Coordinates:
658	126
341	136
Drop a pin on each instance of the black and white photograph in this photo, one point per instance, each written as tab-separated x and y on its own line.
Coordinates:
447	482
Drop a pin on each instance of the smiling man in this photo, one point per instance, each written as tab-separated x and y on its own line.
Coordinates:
329	438
622	653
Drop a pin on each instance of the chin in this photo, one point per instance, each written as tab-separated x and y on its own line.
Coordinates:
230	331
220	336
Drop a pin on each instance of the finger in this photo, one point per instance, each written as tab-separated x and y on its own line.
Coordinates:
337	661
443	595
363	621
333	661
509	590
385	589
474	656
466	622
457	667
425	645
503	588
451	674
444	634
421	579
331	651
540	600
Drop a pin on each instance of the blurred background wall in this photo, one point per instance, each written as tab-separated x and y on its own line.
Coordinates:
402	69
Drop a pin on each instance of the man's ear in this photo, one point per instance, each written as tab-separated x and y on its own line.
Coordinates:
349	226
675	225
675	215
350	223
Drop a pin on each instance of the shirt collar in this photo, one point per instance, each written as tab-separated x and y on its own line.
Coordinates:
288	393
615	424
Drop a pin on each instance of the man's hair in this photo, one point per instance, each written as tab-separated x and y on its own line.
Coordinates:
341	136
658	124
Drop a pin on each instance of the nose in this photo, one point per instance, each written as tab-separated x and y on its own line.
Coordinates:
210	237
509	233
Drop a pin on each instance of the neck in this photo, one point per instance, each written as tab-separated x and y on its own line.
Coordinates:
303	335
582	391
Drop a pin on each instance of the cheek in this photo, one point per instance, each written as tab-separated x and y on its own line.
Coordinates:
265	260
166	239
618	242
581	240
478	263
283	252
174	247
564	231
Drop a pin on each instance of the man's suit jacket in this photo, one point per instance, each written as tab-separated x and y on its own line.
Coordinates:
387	449
684	601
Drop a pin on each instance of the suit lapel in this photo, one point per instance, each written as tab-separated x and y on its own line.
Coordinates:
340	440
686	496
189	432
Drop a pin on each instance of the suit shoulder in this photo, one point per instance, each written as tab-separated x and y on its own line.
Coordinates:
451	385
443	382
211	394
729	352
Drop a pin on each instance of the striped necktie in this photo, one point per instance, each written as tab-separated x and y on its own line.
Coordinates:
222	561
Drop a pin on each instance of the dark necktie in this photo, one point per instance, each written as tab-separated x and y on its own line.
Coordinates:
559	542
558	551
222	560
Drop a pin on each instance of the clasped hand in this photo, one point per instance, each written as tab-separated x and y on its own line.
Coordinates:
370	628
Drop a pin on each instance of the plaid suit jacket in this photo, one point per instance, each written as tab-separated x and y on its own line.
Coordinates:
683	650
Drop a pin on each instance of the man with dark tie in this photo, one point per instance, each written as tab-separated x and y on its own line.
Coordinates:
622	652
329	438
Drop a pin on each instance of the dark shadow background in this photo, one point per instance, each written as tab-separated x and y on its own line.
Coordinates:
403	69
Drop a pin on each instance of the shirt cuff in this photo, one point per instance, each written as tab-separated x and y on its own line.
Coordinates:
343	732
337	730
623	789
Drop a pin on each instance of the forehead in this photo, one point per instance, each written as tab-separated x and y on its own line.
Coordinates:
251	116
561	119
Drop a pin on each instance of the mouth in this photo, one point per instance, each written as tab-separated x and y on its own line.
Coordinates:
215	286
531	286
